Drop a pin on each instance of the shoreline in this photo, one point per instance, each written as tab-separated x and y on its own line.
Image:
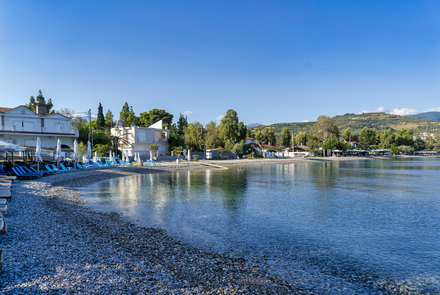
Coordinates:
56	244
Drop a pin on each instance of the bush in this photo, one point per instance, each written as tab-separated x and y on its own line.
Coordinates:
196	157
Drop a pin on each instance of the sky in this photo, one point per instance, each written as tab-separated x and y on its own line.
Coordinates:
270	61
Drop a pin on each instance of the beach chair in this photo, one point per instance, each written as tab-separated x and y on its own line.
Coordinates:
94	164
24	172
21	175
100	165
63	168
3	172
108	163
28	170
87	166
49	169
152	163
32	169
80	167
54	168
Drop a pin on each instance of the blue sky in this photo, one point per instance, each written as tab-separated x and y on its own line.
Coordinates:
271	61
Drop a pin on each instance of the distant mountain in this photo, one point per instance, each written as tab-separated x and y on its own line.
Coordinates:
433	116
253	125
379	121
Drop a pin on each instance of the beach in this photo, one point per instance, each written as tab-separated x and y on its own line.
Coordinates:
55	244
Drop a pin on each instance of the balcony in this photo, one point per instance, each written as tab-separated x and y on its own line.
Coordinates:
43	130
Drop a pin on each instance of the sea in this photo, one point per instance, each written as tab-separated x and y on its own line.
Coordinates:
370	222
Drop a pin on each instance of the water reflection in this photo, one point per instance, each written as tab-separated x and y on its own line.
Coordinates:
376	217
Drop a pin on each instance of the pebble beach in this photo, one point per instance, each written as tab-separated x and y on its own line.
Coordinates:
57	245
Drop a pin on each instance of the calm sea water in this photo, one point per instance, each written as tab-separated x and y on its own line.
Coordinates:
379	220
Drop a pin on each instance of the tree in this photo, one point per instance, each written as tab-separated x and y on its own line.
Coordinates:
49	105
155	115
419	144
182	124
108	120
229	130
78	122
212	136
325	128
131	118
238	148
285	137
367	137
301	138
404	137
406	149
154	148
346	135
123	115
194	136
102	149
32	105
437	146
385	138
395	149
334	144
66	112
100	121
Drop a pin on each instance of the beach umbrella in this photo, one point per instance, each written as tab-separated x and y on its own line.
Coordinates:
89	150
151	156
58	153
189	155
38	153
75	151
139	159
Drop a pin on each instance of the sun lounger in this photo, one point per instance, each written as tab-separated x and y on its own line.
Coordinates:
80	167
49	169
3	202
2	255
63	168
54	168
94	164
28	170
21	175
3	172
108	163
4	209
100	165
3	226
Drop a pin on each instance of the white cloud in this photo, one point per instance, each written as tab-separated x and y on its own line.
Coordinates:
404	111
305	121
219	118
187	112
401	111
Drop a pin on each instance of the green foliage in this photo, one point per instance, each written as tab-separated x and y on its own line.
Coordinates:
194	136
419	144
155	115
406	149
324	128
285	137
395	149
404	137
385	138
153	147
238	148
100	121
123	115
367	137
436	146
109	120
182	124
301	138
177	149
32	105
266	136
229	129
212	136
102	149
346	135
78	122
196	157
82	149
334	144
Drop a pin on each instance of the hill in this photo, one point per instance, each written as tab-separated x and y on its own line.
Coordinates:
433	116
379	121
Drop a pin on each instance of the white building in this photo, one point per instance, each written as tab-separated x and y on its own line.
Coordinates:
22	126
136	139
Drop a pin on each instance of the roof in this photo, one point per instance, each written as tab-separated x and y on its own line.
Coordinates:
5	110
217	149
